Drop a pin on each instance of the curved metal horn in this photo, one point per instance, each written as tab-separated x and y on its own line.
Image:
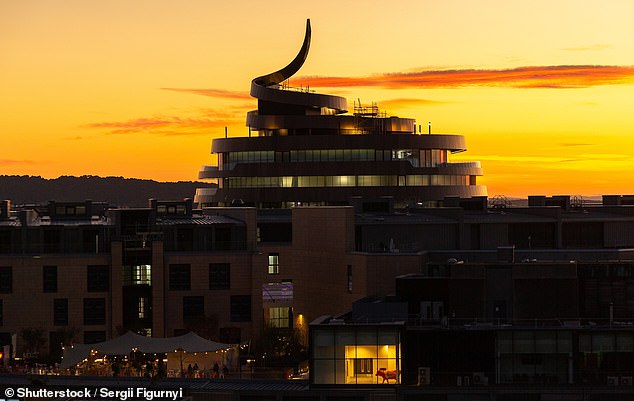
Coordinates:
275	78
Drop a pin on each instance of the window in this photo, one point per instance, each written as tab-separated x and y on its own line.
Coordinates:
94	311
98	278
219	276
142	274
142	307
92	337
193	307
6	279
278	317
274	263
180	277
354	355
137	275
49	278
349	279
240	308
60	311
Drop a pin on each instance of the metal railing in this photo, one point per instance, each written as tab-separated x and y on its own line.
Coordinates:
415	320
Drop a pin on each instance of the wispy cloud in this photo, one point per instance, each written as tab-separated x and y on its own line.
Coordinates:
405	102
13	162
598	46
221	93
169	126
579	162
572	144
561	76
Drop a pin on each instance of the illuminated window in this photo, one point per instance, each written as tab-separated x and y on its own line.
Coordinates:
141	274
278	317
141	308
356	355
274	263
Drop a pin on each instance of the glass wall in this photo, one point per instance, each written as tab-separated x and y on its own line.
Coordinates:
534	356
416	157
356	355
606	357
349	181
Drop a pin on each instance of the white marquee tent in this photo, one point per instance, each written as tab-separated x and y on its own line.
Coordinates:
123	345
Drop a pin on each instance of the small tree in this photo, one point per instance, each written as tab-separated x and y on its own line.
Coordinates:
63	336
33	338
280	347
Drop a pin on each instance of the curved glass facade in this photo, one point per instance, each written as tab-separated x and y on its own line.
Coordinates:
316	181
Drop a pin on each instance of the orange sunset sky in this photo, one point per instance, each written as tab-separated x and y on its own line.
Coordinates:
542	90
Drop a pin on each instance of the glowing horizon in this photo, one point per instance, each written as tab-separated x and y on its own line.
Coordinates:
139	90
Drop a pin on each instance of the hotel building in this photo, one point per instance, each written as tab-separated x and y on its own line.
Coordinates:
304	149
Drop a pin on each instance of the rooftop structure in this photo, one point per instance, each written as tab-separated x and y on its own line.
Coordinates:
304	148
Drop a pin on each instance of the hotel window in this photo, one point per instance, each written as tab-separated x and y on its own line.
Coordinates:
49	278
274	263
193	307
142	307
142	274
6	279
278	317
180	277
60	311
94	311
240	308
137	275
219	276
98	278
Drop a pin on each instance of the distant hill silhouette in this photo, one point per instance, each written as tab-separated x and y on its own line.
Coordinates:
117	191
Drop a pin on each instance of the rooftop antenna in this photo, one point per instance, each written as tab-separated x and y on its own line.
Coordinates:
429	127
226	134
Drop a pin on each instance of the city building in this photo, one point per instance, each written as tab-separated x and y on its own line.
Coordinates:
304	149
230	272
324	211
